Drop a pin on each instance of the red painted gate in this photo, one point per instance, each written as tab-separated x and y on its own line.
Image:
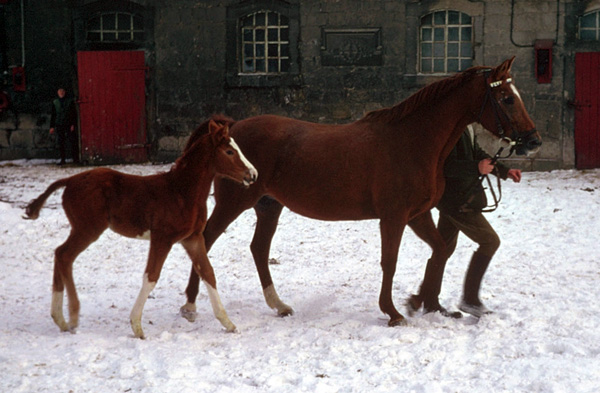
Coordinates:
587	110
112	106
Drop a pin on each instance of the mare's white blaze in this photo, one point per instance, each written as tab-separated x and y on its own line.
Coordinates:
136	313
218	309
515	91
248	164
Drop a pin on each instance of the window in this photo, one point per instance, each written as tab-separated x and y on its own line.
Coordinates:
265	43
589	26
262	44
445	42
115	27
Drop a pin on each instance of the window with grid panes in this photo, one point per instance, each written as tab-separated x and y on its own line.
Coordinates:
265	43
115	27
445	42
589	26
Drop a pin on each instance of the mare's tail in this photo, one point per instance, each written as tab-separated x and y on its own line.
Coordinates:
32	210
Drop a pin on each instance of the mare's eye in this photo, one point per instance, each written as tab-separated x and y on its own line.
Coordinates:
509	100
229	152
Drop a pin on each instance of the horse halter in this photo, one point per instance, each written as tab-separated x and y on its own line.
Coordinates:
497	111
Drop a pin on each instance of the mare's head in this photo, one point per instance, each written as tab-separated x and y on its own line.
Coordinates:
228	159
503	111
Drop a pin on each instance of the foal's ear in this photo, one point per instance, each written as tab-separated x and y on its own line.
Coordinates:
217	132
501	72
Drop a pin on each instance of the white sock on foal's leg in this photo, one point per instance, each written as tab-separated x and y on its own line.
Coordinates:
56	310
136	313
218	309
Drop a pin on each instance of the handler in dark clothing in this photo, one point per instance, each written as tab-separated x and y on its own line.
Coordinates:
460	211
64	121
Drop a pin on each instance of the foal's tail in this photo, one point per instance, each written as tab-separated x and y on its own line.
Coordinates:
32	210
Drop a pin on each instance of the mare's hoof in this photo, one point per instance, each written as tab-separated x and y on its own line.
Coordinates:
444	312
188	312
399	321
413	304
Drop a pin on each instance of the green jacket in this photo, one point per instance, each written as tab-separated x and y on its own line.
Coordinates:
461	171
63	113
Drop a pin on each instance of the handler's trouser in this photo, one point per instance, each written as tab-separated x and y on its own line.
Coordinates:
474	225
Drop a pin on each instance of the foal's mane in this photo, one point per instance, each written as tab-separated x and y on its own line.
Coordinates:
426	95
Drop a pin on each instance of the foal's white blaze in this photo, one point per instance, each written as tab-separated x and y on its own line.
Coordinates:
136	313
218	309
251	168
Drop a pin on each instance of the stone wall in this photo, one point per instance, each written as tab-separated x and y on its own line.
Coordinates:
187	55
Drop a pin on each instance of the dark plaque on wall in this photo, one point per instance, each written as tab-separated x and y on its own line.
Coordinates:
351	47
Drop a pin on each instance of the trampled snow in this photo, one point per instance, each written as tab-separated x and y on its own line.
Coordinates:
543	284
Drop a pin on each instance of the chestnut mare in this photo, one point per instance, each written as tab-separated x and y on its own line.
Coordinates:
166	208
387	165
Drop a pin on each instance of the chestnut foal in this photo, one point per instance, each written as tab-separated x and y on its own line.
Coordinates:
165	208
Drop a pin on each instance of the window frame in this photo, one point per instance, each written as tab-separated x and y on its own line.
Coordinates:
234	75
596	29
132	31
434	28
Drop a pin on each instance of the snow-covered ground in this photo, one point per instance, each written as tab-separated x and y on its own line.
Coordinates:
544	285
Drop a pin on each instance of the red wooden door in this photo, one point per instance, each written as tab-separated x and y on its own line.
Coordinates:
112	106
587	110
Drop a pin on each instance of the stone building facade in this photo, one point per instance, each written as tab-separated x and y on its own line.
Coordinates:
327	61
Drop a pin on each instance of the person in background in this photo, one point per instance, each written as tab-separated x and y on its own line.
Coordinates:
460	210
64	122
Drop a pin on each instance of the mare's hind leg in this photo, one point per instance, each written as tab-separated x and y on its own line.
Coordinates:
424	227
268	211
231	201
64	256
196	249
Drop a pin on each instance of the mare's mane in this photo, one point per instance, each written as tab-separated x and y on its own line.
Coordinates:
426	95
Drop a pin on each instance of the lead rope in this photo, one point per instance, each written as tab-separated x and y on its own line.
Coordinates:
497	198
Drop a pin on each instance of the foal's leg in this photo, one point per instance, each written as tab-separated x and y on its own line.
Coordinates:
268	211
231	201
196	249
391	236
159	249
64	256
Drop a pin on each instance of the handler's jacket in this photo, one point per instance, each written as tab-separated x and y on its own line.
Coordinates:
461	171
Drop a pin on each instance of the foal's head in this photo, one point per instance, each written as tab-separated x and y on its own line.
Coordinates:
503	111
228	160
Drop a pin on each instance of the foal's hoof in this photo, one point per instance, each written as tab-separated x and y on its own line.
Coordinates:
188	311
286	312
398	321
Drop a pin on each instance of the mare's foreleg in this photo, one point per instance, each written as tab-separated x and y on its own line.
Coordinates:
267	211
391	236
64	256
424	227
196	249
156	259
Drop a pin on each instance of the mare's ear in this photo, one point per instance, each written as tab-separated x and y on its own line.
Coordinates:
503	70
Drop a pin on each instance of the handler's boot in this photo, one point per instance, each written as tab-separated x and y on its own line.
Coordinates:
470	303
428	294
